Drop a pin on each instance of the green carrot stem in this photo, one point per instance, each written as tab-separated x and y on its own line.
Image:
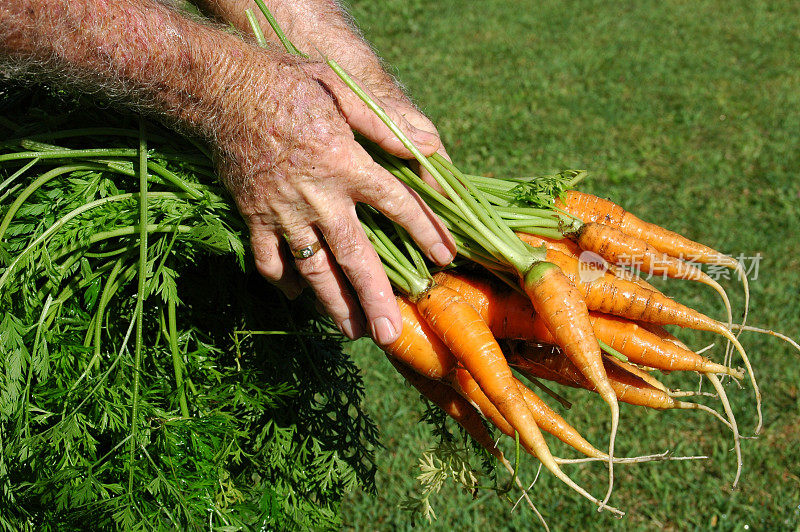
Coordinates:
256	27
525	211
69	154
611	351
545	232
412	282
367	219
444	208
18	173
533	222
505	231
177	361
457	196
35	185
175	179
94	334
122	231
411	249
287	44
140	297
399	282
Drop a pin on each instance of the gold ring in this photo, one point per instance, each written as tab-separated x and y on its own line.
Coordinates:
307	252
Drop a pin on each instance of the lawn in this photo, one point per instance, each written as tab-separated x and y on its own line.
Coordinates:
685	113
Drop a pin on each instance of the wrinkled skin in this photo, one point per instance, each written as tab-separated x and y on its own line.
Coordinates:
305	173
280	127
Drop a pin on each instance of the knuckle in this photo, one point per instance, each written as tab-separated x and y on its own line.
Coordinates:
269	266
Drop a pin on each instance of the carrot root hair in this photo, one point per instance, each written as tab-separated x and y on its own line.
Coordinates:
665	456
734	428
756	390
778	335
686	405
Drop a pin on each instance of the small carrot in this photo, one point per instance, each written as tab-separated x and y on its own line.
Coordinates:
589	208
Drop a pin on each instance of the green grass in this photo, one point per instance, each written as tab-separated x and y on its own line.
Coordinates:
685	113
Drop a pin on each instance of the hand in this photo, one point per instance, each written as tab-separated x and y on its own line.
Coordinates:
296	172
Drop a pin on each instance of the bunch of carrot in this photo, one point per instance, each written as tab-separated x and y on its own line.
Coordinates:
465	328
538	304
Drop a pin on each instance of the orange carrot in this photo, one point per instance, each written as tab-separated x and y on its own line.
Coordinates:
420	349
589	208
662	333
560	305
547	363
568	247
418	346
644	347
511	315
547	418
533	360
617	247
470	341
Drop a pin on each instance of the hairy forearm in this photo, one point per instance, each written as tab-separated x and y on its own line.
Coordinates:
314	26
136	51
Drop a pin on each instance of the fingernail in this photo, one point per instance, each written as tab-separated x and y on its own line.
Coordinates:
383	331
348	329
441	254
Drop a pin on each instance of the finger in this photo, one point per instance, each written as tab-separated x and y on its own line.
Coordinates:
378	188
422	122
327	281
359	262
362	119
426	176
271	261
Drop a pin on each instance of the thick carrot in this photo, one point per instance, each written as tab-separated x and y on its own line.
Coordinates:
568	247
420	350
560	305
619	297
662	333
